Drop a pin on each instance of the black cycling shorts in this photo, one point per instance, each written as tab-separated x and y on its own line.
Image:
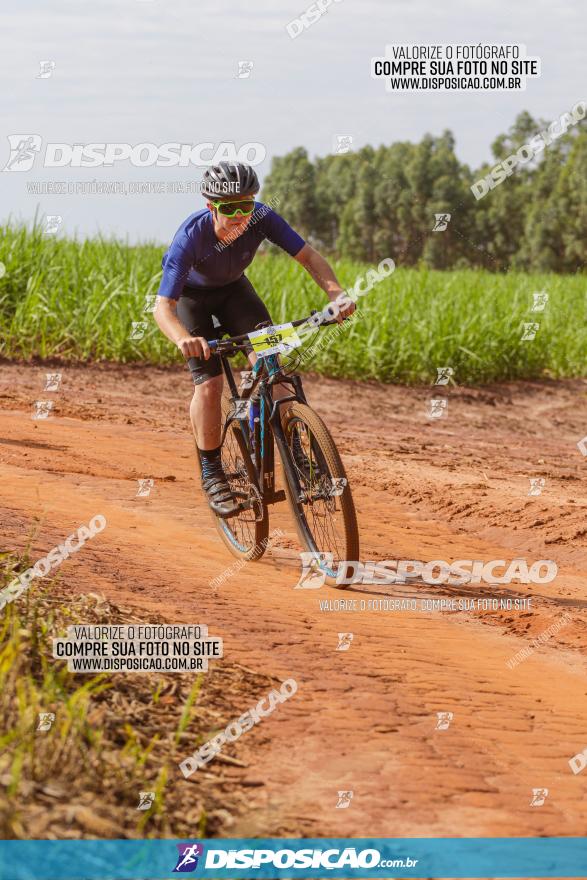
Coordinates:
238	308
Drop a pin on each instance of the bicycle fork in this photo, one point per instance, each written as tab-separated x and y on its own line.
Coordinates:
278	434
265	449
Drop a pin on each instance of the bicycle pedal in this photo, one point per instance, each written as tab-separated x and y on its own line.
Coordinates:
257	508
232	513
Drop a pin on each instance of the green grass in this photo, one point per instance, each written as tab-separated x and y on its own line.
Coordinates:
32	682
77	301
110	734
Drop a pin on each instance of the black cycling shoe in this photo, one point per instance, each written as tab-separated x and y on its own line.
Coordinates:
219	494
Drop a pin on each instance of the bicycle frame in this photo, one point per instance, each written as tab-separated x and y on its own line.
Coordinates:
267	372
251	452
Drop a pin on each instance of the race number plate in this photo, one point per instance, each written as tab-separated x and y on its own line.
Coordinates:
279	339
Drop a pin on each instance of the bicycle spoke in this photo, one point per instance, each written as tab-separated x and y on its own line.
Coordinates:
322	511
243	525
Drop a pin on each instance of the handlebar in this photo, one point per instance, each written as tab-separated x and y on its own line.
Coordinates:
237	343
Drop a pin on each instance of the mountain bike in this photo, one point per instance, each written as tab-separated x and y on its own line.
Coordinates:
254	422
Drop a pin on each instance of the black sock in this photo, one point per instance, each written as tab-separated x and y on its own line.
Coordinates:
211	461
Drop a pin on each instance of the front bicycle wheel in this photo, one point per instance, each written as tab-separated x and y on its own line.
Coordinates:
322	506
245	534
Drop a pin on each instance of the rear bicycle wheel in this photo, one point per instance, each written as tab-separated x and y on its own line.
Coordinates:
324	510
245	534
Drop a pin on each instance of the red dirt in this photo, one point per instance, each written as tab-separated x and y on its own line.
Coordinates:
364	719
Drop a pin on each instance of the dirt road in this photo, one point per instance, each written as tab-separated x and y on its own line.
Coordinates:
363	720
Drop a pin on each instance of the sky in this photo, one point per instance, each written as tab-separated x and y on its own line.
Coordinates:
161	71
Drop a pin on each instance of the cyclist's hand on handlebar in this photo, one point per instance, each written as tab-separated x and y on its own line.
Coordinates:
194	346
346	312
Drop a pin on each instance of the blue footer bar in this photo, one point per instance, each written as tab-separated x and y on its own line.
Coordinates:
292	858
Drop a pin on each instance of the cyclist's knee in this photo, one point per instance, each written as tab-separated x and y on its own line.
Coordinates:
208	386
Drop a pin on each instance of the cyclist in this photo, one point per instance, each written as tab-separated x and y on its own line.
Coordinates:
203	276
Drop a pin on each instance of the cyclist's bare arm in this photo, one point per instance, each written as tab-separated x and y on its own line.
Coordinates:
165	315
323	274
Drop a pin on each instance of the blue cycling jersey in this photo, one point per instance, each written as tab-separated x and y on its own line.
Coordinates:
197	258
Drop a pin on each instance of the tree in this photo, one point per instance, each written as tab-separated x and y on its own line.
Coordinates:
376	203
290	188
